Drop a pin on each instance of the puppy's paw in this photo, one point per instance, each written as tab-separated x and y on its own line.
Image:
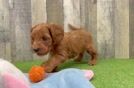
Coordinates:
92	62
77	60
55	70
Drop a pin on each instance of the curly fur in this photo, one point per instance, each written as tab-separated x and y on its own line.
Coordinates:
61	46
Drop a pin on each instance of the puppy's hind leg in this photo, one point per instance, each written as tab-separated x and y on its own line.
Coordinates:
92	51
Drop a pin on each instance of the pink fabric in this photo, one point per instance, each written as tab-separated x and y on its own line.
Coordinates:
88	74
11	81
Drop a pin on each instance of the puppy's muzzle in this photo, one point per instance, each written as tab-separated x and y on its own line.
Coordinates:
36	50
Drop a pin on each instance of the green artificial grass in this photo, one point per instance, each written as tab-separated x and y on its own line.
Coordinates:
109	73
26	65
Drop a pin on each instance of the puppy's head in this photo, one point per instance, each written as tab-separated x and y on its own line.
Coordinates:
45	36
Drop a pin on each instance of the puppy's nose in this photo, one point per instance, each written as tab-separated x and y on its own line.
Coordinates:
36	50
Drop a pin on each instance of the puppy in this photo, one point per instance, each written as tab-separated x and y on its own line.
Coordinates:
61	46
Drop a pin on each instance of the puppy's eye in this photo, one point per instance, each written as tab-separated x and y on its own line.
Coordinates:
44	38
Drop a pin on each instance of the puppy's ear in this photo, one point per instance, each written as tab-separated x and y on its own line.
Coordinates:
56	32
31	29
34	27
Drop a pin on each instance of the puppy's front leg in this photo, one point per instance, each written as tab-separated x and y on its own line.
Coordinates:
53	62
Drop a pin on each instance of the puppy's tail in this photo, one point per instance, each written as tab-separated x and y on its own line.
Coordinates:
73	27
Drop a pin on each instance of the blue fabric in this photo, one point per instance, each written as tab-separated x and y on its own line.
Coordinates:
68	78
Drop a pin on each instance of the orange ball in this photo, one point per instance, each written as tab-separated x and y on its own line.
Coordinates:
36	74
